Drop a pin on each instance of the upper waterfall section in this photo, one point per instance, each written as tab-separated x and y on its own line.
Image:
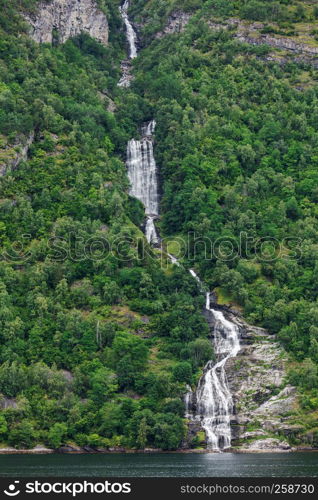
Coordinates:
130	32
142	170
143	177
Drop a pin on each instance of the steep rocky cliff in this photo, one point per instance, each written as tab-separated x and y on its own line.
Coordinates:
263	399
59	20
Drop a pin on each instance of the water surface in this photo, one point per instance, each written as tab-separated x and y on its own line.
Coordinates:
162	465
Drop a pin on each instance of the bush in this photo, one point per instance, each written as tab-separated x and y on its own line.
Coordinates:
22	435
182	372
56	435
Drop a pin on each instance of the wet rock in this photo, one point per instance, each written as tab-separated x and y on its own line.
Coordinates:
127	76
252	434
69	449
89	449
281	404
37	450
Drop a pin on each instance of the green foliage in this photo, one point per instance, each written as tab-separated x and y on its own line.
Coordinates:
56	435
22	435
97	342
305	375
182	372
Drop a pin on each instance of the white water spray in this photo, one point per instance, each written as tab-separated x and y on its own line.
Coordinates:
143	176
212	404
130	32
214	400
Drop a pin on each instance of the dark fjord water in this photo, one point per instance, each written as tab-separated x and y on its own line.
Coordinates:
162	465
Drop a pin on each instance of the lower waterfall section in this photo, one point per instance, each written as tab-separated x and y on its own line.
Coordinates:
211	404
143	177
214	404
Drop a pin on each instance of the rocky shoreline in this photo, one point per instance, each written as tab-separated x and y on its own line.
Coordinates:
81	451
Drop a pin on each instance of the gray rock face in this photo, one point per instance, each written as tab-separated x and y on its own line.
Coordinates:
11	156
280	404
176	24
281	43
262	399
243	32
63	19
6	403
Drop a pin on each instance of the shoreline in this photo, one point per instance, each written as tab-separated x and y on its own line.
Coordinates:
82	451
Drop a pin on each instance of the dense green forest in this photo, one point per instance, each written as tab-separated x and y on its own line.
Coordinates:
97	347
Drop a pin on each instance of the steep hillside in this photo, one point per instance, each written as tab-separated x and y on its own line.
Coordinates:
81	291
237	148
100	335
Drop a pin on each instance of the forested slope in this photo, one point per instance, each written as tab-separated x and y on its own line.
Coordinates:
97	346
84	311
237	145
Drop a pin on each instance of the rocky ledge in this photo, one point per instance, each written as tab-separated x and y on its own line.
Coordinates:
262	398
247	32
58	20
269	445
176	23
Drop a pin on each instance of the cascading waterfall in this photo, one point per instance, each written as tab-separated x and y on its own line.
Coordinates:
132	43
131	34
212	400
214	404
141	164
142	173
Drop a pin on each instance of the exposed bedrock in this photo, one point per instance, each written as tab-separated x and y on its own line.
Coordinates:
59	20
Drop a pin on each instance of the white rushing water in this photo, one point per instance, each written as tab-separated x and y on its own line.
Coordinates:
131	34
142	173
212	400
214	404
141	164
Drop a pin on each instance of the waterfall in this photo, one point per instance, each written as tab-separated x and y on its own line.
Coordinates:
131	34
214	403
142	174
132	43
141	164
